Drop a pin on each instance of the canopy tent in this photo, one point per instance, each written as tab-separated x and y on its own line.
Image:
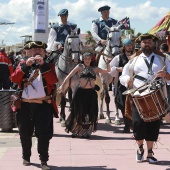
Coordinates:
162	27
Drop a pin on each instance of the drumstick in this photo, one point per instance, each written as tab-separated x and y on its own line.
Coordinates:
130	82
163	68
133	76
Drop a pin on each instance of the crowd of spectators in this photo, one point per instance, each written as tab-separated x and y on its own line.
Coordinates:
8	63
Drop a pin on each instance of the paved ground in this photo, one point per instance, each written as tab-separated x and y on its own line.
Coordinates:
108	149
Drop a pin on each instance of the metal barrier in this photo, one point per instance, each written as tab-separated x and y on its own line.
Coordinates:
7	117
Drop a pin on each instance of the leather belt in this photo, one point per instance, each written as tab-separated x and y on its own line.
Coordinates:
140	78
39	100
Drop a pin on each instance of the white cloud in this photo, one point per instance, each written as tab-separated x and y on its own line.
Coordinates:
19	12
16	10
143	15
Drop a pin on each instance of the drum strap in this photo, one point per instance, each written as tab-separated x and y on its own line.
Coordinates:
140	78
149	65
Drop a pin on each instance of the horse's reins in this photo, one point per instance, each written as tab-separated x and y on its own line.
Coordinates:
68	51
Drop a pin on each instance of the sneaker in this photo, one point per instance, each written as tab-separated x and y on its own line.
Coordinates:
26	162
140	156
152	160
44	166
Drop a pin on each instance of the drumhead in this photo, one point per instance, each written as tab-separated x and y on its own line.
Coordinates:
142	93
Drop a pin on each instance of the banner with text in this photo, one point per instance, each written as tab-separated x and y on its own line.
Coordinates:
40	16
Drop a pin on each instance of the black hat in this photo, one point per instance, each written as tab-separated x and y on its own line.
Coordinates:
26	47
35	44
104	8
146	36
63	12
27	42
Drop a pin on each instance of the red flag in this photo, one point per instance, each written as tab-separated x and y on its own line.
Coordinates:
125	22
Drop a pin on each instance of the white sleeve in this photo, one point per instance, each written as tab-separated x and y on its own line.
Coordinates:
51	38
125	77
167	63
113	65
94	32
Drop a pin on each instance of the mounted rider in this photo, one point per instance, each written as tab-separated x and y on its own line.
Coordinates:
58	34
99	31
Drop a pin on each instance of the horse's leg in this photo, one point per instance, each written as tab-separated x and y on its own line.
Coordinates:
101	115
62	112
107	100
117	120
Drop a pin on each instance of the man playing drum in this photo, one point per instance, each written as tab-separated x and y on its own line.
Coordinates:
147	65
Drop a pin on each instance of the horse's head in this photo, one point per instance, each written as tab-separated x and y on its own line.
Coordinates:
73	45
113	39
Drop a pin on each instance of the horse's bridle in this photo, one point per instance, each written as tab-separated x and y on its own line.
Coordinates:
70	51
108	41
68	59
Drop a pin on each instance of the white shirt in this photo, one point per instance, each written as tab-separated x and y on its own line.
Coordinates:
51	44
113	65
141	69
94	30
30	93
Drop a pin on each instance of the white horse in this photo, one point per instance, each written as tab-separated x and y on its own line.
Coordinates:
66	62
111	50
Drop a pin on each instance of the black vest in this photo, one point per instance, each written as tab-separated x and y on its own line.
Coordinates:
102	32
123	60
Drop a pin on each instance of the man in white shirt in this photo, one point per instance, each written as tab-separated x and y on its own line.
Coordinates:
164	50
59	32
147	65
98	31
116	65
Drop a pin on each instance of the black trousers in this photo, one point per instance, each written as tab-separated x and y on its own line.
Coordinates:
144	130
38	117
168	93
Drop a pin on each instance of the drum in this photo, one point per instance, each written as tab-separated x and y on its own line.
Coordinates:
151	104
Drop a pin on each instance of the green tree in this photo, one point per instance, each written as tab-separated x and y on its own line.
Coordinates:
90	40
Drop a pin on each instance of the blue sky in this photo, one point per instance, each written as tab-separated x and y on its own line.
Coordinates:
143	14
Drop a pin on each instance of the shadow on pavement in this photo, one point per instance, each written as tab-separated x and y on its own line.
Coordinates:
164	163
75	168
106	127
11	131
82	168
95	137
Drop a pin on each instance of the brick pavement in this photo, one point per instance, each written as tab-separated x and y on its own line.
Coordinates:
107	149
